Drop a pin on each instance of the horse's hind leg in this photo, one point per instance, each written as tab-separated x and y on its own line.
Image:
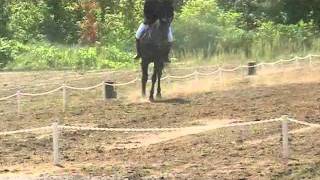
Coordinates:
159	72
144	79
154	79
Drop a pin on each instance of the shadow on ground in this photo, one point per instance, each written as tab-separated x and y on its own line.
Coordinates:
172	101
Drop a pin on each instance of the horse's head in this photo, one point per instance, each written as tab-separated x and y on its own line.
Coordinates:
166	11
165	14
158	31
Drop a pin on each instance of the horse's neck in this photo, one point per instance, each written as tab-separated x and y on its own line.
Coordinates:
159	30
155	25
156	33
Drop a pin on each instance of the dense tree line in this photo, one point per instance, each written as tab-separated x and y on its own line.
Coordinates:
100	33
278	11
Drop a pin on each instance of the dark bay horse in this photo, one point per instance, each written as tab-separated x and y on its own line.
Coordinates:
154	49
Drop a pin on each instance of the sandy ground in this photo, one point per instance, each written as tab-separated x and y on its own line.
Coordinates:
201	152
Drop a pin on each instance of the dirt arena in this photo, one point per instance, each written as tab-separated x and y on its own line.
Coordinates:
244	152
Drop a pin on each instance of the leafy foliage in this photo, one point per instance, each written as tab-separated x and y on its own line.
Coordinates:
25	20
4	18
242	26
47	56
62	20
90	34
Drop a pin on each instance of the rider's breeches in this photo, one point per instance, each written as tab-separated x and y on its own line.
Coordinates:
143	27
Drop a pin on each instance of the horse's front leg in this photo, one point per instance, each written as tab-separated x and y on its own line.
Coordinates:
154	79
144	79
159	72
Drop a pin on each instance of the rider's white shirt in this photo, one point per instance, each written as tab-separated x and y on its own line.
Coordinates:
143	27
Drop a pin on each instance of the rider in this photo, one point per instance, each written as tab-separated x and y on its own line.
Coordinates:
151	15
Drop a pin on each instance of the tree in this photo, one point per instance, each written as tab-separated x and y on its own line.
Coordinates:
61	20
89	27
25	20
203	26
4	18
297	10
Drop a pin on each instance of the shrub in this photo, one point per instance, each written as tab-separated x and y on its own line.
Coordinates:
49	56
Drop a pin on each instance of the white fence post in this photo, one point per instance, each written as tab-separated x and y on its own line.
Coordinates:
285	139
19	110
297	63
64	96
196	75
169	81
310	61
262	66
55	142
103	91
221	77
243	71
138	81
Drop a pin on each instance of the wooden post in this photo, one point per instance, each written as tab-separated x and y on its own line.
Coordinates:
64	97
103	91
55	143
19	110
252	70
169	79
242	71
297	63
221	77
285	139
262	65
196	75
310	62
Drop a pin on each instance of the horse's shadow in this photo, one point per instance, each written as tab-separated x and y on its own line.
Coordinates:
172	101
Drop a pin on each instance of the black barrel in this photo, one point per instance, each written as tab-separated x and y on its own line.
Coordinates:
252	70
110	90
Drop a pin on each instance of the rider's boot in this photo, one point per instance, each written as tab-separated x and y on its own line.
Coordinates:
138	55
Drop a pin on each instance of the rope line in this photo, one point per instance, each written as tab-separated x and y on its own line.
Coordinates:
41	94
210	73
183	77
138	129
304	123
123	84
84	88
25	131
155	129
119	129
220	69
8	97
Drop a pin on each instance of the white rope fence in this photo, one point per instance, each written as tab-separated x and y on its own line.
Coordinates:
25	131
56	130
196	74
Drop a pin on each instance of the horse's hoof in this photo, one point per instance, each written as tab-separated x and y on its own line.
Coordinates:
151	99
159	96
